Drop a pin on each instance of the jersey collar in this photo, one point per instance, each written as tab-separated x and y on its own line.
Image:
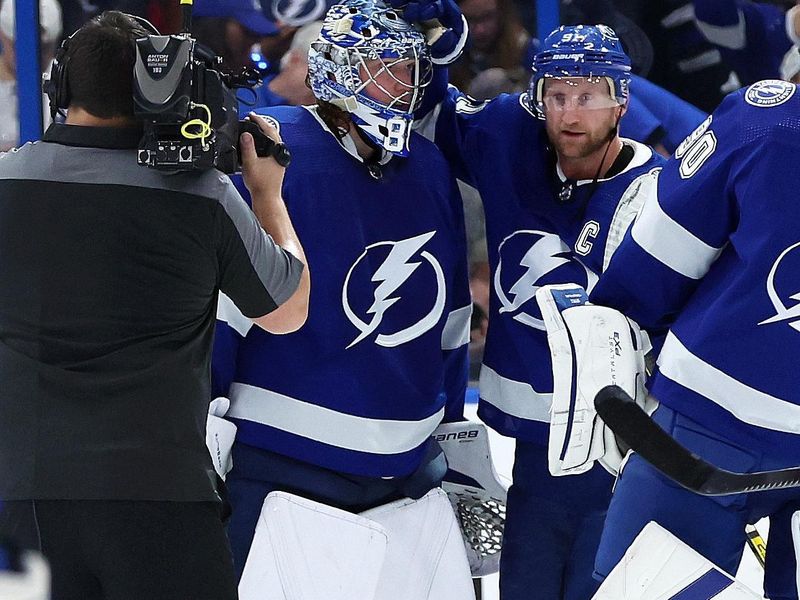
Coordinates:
347	142
641	154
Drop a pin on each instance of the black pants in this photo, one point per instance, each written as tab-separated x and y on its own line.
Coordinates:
126	550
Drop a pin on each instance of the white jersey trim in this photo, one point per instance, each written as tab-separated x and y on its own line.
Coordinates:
456	329
230	314
670	243
641	190
514	397
327	426
747	404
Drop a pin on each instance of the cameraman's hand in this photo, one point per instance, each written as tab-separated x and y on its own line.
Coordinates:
263	176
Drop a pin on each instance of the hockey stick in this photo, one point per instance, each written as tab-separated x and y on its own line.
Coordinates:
632	425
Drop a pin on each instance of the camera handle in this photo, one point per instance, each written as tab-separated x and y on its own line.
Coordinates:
265	146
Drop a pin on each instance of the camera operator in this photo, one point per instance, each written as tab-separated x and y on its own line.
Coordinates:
110	275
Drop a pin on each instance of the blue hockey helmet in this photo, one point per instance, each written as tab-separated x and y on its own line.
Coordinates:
591	51
360	44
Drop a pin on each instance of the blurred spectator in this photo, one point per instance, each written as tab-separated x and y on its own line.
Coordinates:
684	62
231	28
77	12
289	86
634	41
752	38
496	39
50	21
493	82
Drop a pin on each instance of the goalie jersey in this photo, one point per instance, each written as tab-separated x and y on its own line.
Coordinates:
382	358
719	246
541	229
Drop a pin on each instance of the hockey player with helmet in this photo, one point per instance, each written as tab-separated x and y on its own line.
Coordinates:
719	246
341	412
559	188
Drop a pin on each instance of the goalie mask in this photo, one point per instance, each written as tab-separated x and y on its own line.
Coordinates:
593	52
372	64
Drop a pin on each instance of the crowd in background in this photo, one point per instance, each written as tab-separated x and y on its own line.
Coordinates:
695	52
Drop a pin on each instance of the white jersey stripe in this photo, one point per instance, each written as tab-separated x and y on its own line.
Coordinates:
514	398
670	243
747	404
456	329
375	436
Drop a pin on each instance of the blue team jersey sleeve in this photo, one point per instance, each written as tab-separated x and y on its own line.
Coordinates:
685	224
456	333
640	124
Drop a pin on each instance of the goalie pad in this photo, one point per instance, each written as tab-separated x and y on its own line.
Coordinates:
474	489
25	576
220	435
425	558
590	347
305	550
659	566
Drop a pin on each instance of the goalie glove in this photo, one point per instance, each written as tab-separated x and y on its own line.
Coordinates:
590	347
441	21
476	492
220	435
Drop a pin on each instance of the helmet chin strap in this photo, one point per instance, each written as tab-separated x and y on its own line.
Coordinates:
612	134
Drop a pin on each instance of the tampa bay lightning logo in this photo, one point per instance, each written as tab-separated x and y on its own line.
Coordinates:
783	288
298	12
529	259
770	92
412	313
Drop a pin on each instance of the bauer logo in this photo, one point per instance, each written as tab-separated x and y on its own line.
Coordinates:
783	288
769	93
407	295
470	434
529	259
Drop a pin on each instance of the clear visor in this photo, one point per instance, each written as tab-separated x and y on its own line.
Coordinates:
560	94
396	83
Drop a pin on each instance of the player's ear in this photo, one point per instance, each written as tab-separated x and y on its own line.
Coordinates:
621	111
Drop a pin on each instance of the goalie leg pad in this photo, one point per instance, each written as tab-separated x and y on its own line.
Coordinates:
425	558
305	550
659	566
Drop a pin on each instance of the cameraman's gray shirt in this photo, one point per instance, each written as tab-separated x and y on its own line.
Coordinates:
110	274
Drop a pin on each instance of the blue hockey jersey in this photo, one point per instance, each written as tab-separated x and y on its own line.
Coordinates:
533	238
361	386
719	246
751	37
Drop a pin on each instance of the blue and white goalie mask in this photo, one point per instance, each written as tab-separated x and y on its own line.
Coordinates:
373	65
574	55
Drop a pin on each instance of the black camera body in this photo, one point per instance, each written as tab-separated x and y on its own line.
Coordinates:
188	107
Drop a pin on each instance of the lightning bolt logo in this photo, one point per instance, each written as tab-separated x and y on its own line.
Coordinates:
782	313
390	276
540	259
543	257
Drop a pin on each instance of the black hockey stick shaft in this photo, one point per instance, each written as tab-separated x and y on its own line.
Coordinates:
634	427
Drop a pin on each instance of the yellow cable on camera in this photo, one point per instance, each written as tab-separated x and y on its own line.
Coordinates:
205	126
